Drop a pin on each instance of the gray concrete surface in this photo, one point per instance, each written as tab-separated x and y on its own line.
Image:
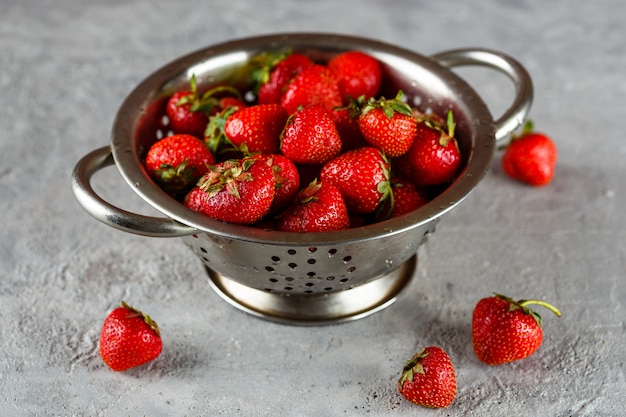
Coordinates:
65	67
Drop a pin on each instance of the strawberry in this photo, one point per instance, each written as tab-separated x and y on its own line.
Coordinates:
388	125
346	120
357	73
286	180
276	79
188	112
434	157
406	197
362	176
319	207
229	101
310	136
258	127
176	162
314	85
504	330
428	379
182	119
234	191
129	338
530	157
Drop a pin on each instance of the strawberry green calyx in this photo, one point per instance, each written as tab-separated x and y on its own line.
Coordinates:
214	135
451	124
133	312
175	178
384	187
389	106
446	131
226	175
523	305
309	193
192	96
207	102
527	129
413	366
261	65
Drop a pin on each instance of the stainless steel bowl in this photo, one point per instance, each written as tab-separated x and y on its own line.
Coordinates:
309	278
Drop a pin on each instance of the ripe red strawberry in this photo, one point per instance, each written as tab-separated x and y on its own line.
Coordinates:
346	120
319	207
276	79
314	85
428	379
129	338
530	157
286	180
188	112
229	101
176	162
504	330
388	125
358	74
234	191
310	136
258	127
362	177
406	198
434	157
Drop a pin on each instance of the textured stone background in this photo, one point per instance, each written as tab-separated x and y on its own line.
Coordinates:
65	67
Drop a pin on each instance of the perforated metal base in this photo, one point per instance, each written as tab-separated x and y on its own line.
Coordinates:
316	309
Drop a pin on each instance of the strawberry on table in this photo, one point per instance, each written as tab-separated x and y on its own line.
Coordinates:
530	157
314	85
310	136
362	177
358	74
388	124
176	162
504	330
129	338
319	207
286	180
434	157
234	191
428	379
257	127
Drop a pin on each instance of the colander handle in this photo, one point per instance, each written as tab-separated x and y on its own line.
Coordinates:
114	216
516	114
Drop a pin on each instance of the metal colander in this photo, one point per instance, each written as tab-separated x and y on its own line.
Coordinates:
305	278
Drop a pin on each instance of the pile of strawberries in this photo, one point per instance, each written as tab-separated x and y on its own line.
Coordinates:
317	148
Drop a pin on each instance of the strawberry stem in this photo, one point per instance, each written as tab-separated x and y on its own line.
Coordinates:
550	307
523	305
